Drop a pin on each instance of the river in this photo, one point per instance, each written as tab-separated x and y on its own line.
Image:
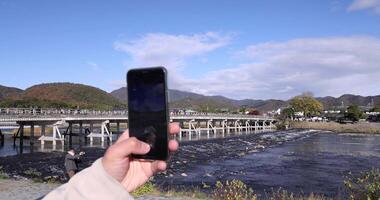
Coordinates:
300	161
314	163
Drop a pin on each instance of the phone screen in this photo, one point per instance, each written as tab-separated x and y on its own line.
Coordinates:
147	110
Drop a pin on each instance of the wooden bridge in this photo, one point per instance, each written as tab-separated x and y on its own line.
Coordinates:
61	129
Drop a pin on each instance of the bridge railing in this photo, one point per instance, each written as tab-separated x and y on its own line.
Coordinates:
51	112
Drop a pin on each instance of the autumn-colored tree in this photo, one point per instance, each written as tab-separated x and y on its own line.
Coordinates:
253	112
306	104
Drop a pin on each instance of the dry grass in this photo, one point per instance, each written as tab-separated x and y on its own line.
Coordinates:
361	127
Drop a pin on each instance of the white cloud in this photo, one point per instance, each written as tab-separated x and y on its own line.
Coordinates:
324	66
171	51
365	4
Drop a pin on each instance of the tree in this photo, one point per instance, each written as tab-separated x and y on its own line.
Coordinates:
306	104
242	110
353	113
253	112
376	108
287	113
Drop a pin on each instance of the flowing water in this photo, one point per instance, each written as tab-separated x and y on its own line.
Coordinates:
315	163
298	161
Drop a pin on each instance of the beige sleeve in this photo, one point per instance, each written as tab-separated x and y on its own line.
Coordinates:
91	183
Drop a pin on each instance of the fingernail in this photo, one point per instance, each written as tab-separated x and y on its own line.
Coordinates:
146	146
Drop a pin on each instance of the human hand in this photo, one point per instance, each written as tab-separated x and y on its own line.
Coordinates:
132	173
82	153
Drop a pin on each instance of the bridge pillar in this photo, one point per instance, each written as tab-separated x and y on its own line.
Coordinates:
199	129
208	128
247	126
31	141
91	131
118	128
103	126
80	133
43	130
21	137
70	134
213	123
43	127
181	124
211	127
264	125
1	138
256	126
55	127
224	126
191	127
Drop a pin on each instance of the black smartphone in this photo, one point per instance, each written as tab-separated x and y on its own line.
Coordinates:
148	118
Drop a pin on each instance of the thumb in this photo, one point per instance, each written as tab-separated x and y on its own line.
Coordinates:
129	146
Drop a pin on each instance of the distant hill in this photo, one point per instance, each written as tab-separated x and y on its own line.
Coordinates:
70	95
204	103
66	95
181	99
120	94
174	95
349	99
8	92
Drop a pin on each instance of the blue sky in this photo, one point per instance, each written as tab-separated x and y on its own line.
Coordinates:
239	49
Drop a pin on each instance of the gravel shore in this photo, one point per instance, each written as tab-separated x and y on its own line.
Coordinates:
23	189
28	189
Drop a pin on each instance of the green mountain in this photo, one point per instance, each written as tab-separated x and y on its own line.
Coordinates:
64	95
70	95
8	92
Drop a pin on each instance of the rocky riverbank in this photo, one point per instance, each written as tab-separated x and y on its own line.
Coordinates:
48	167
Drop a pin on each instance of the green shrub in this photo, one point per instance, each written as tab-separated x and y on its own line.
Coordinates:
147	188
364	186
282	194
233	190
32	172
3	175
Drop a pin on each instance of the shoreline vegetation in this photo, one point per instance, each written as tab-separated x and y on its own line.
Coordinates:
364	186
359	127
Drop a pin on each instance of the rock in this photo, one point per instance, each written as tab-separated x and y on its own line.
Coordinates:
241	154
